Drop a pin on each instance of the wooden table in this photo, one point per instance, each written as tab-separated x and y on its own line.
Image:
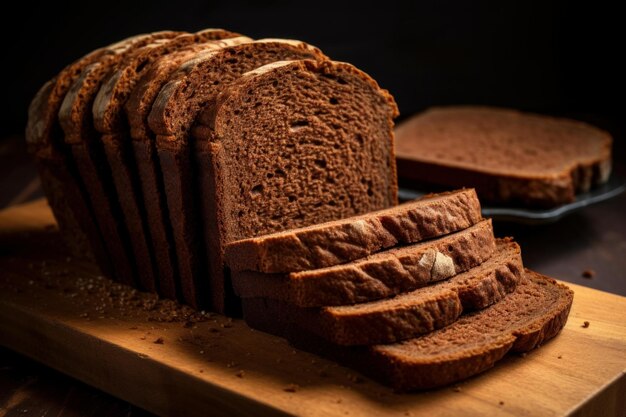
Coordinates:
173	361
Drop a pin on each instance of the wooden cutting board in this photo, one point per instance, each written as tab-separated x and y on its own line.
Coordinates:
172	361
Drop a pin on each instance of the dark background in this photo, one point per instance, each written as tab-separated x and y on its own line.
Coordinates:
551	57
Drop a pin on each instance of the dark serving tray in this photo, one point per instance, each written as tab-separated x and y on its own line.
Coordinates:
612	188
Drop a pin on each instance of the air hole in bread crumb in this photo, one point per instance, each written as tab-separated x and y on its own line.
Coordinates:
291	198
359	138
232	60
320	163
280	173
275	83
256	191
341	80
334	100
332	203
450	248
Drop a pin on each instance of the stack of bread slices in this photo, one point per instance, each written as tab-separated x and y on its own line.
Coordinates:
419	295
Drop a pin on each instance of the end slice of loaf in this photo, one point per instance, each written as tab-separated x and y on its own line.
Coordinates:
508	156
533	314
410	314
341	241
377	276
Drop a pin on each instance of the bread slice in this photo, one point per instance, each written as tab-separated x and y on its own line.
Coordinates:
150	182
58	173
341	241
409	314
110	120
377	276
76	120
194	85
534	313
508	156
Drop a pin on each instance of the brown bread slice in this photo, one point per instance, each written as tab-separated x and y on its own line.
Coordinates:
75	117
409	314
194	85
508	156
150	181
58	173
110	120
533	314
341	241
327	159
377	276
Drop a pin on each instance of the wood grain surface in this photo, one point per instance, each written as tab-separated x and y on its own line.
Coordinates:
173	361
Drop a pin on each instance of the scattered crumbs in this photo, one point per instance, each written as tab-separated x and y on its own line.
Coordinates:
240	373
291	388
501	402
293	351
143	337
589	273
84	315
159	341
585	324
188	324
456	389
180	339
143	355
226	325
201	371
560	357
338	401
231	364
324	374
202	352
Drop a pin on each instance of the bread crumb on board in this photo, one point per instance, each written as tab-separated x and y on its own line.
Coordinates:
159	341
291	388
589	273
585	324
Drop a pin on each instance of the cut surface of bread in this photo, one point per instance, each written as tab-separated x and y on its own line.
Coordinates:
377	276
75	117
110	120
534	313
341	241
508	156
193	87
410	314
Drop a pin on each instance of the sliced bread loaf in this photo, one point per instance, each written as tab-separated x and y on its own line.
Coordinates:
383	274
110	120
409	314
341	241
190	89
75	117
508	156
534	313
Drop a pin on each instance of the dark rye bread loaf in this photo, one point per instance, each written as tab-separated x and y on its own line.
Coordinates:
75	117
326	160
137	108
194	85
383	274
534	313
110	120
341	241
409	314
60	181
508	156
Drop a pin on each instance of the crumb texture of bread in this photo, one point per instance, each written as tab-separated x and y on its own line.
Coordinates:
341	241
383	274
507	155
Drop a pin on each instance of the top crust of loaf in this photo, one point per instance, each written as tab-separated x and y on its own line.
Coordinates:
503	142
107	107
75	113
144	94
341	241
168	119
